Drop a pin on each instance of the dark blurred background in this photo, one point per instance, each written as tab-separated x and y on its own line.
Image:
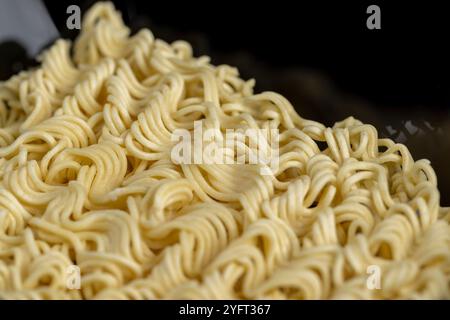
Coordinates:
319	54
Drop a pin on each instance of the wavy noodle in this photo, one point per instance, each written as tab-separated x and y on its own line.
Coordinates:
87	180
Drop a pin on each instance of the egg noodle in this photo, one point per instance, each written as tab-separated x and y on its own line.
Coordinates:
87	181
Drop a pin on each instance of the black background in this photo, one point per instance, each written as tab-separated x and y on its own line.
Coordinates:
169	309
406	62
322	57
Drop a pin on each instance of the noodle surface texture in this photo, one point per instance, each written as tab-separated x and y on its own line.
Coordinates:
87	185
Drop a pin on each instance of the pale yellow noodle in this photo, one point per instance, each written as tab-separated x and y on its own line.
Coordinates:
87	180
